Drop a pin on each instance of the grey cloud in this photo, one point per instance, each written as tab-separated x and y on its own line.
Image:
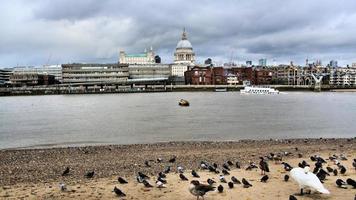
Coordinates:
94	31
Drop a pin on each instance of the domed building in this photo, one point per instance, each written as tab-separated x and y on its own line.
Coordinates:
184	53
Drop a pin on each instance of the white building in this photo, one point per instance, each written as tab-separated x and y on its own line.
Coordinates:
141	58
343	77
184	53
55	70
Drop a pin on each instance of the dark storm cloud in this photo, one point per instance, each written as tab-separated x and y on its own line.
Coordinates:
94	31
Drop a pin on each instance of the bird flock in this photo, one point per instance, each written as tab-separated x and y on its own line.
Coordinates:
307	179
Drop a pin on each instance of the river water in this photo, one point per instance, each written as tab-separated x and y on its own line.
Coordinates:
72	120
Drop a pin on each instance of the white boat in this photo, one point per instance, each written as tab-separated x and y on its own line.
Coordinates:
258	90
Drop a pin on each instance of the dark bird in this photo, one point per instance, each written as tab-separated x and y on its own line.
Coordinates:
291	197
159	160
264	178
199	190
215	165
162	175
342	169
146	183
195	174
313	158
287	166
204	165
286	177
173	159
142	175
118	192
263	166
163	181
335	172
147	164
351	182
300	155
210	181
182	177
222	179
229	163
341	184
90	174
322	174
122	180
225	172
220	188
354	163
167	169
237	164
246	183
65	172
235	180
330	170
226	166
230	184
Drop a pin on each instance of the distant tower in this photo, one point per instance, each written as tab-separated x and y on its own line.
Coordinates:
306	62
184	50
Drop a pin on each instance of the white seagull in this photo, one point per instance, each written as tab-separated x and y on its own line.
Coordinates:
306	179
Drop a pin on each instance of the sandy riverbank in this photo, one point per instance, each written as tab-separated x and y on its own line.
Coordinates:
36	173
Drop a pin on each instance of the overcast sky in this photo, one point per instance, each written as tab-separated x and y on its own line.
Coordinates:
37	32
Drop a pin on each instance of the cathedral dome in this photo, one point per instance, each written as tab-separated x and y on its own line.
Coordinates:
184	42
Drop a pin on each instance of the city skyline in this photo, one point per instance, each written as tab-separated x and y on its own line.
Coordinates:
57	32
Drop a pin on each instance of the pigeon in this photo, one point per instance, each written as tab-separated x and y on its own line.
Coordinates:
235	180
306	179
222	179
90	174
162	175
199	190
287	167
230	184
160	184
229	163
182	177
341	184
226	166
220	188
162	180
215	165
264	178
330	170
322	174
263	166
225	172
180	169
210	181
173	159
203	165
286	177
147	164
118	192
342	169
195	174
313	158
335	172
65	172
291	197
246	183
351	182
237	164
146	183
142	175
122	180
167	169
62	187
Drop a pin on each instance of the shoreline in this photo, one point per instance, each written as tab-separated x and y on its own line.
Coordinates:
36	173
53	90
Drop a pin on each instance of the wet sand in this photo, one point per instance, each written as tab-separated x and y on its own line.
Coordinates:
36	173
